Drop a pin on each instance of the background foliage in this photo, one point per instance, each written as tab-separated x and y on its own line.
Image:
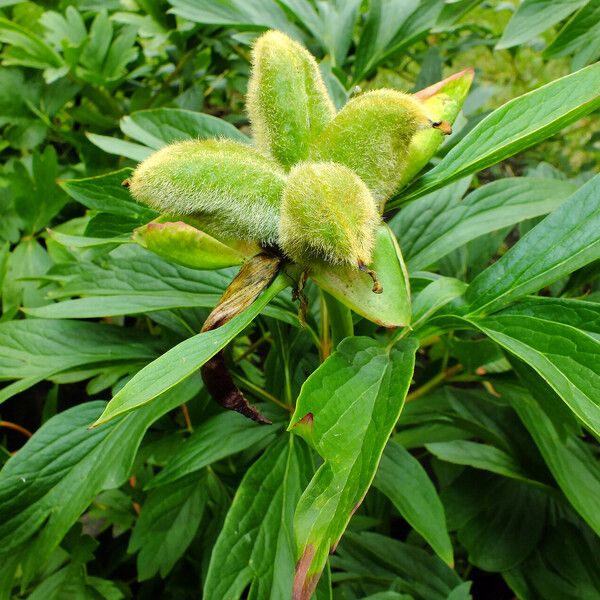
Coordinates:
489	485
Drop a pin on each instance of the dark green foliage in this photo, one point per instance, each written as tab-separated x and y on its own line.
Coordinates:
440	439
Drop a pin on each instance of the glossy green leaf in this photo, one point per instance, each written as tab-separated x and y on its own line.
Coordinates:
25	48
117	305
441	222
332	23
394	563
84	241
391	27
167	524
535	16
565	565
27	260
55	476
346	411
250	14
564	241
515	126
509	522
219	437
181	243
434	297
106	193
478	456
113	145
570	459
405	482
353	288
581	35
183	360
158	127
35	349
256	544
581	314
562	355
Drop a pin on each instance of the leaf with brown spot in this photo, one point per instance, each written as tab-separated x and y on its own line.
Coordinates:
354	399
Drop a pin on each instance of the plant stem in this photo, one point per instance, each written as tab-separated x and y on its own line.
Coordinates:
15	427
434	382
325	347
340	320
243	382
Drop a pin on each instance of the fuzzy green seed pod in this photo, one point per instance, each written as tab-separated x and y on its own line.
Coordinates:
371	135
328	216
442	102
287	101
234	188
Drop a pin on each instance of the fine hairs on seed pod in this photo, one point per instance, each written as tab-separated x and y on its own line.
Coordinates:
328	216
231	185
371	135
288	103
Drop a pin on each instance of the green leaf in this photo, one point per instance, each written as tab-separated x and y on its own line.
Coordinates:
332	23
28	259
390	28
510	523
37	197
441	222
570	460
478	456
353	288
562	355
564	241
117	305
184	359
161	126
131	270
396	564
579	314
243	14
346	410
404	481
168	522
580	35
535	16
565	565
435	296
515	126
55	476
106	193
256	544
35	349
219	437
25	48
120	147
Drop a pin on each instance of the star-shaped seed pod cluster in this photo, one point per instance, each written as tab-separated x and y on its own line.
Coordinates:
313	185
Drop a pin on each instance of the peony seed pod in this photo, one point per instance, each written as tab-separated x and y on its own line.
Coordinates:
442	102
234	188
328	216
287	101
371	135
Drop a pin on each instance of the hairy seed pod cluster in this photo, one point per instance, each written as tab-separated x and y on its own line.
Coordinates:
371	135
328	216
235	188
287	101
315	182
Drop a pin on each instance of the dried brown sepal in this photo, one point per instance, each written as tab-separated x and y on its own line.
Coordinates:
254	276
